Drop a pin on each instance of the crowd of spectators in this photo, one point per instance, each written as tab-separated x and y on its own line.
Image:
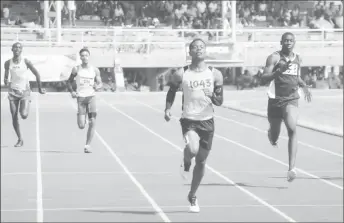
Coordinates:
312	14
196	14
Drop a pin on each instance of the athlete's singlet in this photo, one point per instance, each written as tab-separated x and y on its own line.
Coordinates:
85	81
196	105
19	77
285	86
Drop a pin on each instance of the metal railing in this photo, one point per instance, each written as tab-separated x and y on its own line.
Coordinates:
112	35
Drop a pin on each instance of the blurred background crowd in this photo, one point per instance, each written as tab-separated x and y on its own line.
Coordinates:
181	14
189	15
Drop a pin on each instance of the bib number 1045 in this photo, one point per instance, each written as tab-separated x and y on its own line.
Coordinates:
200	84
86	82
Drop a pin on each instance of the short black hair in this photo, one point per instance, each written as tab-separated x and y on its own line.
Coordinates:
286	34
193	41
84	50
17	43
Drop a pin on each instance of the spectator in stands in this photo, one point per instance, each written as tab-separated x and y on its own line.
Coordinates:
320	22
295	19
179	17
130	16
71	12
105	13
6	12
118	15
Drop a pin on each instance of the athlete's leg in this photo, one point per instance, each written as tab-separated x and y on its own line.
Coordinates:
274	129
81	113
92	113
204	148
24	108
290	120
14	108
275	117
192	146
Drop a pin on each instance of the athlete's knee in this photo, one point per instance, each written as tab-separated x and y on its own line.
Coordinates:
91	122
192	141
15	118
81	122
200	161
92	115
24	115
291	130
81	125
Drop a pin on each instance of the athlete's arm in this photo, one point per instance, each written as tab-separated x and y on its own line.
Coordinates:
176	80
268	74
303	85
217	95
7	71
35	72
98	79
71	79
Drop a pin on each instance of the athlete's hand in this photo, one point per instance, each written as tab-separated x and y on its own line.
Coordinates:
307	93
168	115
74	94
41	91
283	65
208	93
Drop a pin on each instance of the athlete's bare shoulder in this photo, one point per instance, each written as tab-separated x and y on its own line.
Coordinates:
7	64
218	77
75	70
272	60
177	76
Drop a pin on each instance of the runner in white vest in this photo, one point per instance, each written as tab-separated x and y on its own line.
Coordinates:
19	87
88	80
202	87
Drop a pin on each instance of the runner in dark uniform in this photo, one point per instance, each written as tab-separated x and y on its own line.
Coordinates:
283	72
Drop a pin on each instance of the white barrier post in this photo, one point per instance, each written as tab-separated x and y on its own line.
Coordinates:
233	20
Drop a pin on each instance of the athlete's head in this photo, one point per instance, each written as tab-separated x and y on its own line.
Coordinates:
84	55
17	49
288	41
197	49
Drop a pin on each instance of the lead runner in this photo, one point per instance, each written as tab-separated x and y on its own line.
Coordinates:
202	87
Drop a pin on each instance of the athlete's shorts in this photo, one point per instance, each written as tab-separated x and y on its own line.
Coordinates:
87	105
17	95
205	130
277	107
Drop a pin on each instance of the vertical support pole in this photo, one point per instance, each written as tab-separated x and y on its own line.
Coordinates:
233	20
46	19
58	9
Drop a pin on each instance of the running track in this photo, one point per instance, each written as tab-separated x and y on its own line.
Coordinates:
132	175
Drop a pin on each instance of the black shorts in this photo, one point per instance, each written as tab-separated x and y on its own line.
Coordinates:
205	130
277	107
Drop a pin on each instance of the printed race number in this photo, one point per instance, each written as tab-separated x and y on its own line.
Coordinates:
292	70
84	82
200	84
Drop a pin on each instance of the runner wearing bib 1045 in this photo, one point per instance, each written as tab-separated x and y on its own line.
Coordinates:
202	88
88	80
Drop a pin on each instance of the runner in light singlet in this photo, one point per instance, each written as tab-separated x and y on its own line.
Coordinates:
19	87
282	70
202	87
88	80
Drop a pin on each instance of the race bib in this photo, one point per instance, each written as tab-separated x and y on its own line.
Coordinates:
200	84
292	70
86	82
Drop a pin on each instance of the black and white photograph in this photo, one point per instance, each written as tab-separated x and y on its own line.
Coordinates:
171	111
